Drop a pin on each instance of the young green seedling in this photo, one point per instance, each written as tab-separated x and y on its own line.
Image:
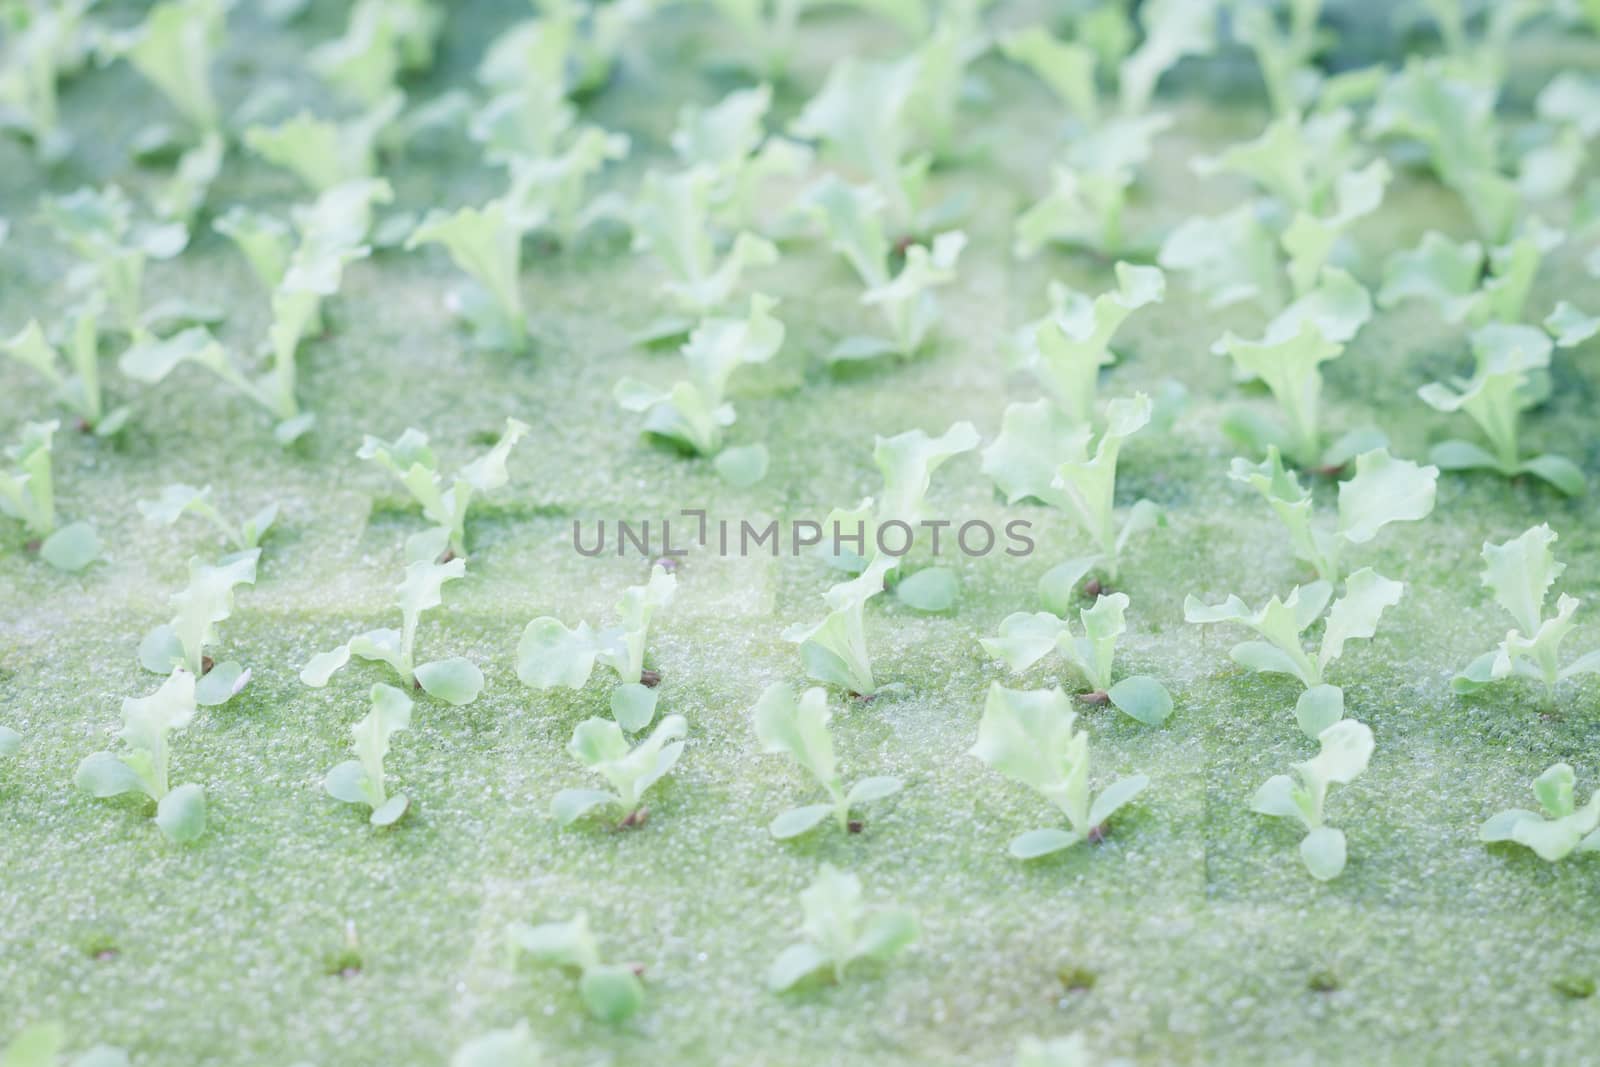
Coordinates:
1030	737
672	221
551	193
551	655
44	44
1495	397
1026	639
147	723
98	226
837	929
177	500
1520	572
382	40
27	494
361	780
1383	490
204	602
1559	829
861	117
1346	748
611	992
1072	343
1464	284
692	415
77	384
835	650
455	680
730	138
603	749
851	217
485	242
410	459
800	730
173	48
322	153
1044	454
1354	615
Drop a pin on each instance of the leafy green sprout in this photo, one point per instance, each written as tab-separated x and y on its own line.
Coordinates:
182	642
27	494
550	655
730	137
851	216
361	780
838	929
98	225
485	242
1520	573
382	40
694	413
44	44
1559	828
1031	738
178	500
410	460
174	48
1463	282
799	729
144	766
1383	490
1026	639
74	375
610	992
1043	454
1346	747
603	749
511	1046
1500	390
455	680
1355	615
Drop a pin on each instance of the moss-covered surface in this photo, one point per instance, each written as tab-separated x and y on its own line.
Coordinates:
1191	935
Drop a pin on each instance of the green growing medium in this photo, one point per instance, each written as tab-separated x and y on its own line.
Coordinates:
294	931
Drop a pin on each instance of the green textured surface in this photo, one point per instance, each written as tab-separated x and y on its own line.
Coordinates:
1203	932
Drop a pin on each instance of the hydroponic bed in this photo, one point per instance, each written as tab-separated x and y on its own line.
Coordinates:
1302	269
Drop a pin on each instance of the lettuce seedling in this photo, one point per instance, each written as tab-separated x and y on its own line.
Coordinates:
1083	209
511	1046
551	655
1025	639
181	197
1463	284
410	459
1346	748
571	46
672	221
1520	573
361	780
835	650
27	493
1044	454
551	192
730	138
44	1045
799	729
204	602
1494	397
1354	615
1231	258
693	413
486	243
1289	368
147	723
177	500
1074	342
1030	737
851	216
98	226
382	40
43	44
322	153
1383	490
77	383
862	117
603	749
1561	829
455	680
174	48
610	992
837	929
